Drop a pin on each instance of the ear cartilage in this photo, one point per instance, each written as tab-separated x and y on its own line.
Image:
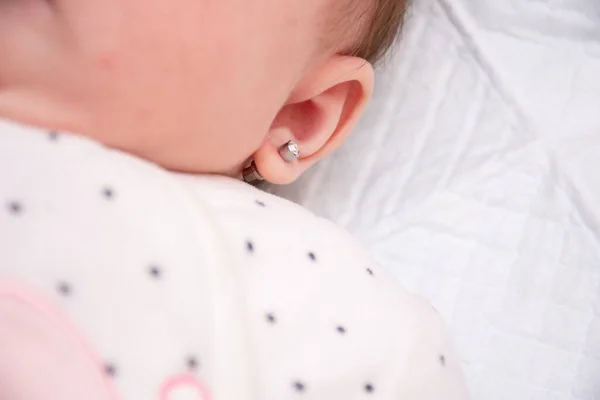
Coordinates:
289	151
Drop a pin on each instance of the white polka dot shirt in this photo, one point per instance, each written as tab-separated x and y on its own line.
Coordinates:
120	280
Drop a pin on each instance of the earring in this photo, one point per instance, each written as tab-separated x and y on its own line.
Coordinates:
289	152
251	174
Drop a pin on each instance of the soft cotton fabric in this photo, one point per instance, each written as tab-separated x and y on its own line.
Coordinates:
119	279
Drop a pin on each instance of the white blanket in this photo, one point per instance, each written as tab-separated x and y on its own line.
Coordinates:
475	178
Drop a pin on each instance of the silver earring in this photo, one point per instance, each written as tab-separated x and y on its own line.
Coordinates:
289	151
251	174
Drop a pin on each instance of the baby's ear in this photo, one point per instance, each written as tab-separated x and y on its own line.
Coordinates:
320	113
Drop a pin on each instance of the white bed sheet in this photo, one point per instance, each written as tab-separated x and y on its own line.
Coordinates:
475	178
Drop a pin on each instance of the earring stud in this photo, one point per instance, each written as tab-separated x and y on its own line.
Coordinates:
289	151
251	174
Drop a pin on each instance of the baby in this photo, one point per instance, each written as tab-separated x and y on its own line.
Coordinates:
135	263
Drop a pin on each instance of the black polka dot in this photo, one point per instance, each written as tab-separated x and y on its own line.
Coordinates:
64	288
443	360
312	256
15	208
299	386
110	370
370	272
260	203
271	318
53	136
250	246
192	363
108	193
341	330
155	271
369	388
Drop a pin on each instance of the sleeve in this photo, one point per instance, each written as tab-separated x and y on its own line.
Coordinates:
322	317
432	369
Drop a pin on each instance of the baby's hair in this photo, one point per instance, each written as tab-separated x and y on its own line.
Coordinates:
385	18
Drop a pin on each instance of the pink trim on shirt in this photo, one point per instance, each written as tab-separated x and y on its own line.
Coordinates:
19	294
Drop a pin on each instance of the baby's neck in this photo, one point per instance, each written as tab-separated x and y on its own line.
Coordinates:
30	108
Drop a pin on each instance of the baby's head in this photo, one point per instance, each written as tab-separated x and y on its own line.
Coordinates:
196	85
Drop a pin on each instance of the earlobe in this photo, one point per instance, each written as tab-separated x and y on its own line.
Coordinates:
278	160
318	116
289	153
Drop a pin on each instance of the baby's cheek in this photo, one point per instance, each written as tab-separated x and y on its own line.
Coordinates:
107	61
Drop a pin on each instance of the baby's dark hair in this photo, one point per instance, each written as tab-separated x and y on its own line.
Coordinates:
383	22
